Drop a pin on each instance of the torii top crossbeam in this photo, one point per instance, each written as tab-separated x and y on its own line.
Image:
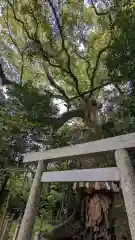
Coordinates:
84	149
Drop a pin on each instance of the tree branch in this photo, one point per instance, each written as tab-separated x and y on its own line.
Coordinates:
69	71
91	90
97	64
65	230
102	50
19	20
84	59
22	68
118	88
34	18
88	70
103	13
4	80
70	114
13	41
96	11
16	45
58	122
56	86
75	80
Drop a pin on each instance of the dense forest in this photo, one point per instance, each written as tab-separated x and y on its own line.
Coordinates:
66	76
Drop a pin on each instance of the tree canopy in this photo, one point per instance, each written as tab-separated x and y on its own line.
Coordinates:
63	61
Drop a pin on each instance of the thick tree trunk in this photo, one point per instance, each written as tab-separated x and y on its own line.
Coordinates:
91	219
29	217
97	201
96	215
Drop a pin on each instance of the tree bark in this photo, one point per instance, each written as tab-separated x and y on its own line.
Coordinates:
17	227
4	233
6	228
29	217
3	191
5	212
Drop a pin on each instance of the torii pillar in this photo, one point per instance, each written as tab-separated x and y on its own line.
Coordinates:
27	224
127	176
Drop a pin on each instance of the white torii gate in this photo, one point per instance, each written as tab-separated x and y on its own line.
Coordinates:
124	172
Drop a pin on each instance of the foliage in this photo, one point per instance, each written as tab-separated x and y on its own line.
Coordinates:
20	185
120	60
49	40
120	64
62	52
22	116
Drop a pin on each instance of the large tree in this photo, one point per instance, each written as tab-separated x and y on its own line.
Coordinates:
61	48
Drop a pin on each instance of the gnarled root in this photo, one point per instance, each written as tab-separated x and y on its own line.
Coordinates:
65	230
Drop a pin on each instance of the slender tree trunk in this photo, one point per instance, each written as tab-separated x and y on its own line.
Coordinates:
17	227
29	217
6	228
5	213
3	191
